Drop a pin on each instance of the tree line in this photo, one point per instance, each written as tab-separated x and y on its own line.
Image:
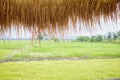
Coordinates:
110	36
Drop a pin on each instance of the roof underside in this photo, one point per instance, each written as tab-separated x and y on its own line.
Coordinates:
53	15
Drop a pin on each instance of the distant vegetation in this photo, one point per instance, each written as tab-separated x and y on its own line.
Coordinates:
109	37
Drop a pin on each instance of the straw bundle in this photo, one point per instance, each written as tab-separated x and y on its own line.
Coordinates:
53	15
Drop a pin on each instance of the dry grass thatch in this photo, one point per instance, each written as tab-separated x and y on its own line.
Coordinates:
53	15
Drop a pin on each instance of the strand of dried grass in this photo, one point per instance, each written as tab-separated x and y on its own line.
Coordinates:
53	15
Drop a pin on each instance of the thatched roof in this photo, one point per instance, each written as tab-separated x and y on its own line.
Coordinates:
53	15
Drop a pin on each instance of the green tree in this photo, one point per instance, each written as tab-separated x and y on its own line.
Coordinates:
118	33
99	38
83	38
93	39
46	37
118	37
115	36
109	35
40	37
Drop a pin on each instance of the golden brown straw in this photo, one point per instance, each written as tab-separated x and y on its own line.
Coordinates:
53	15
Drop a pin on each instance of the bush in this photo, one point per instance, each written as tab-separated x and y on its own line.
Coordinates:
56	39
82	39
99	38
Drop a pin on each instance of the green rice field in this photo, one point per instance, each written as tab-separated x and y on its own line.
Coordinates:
65	60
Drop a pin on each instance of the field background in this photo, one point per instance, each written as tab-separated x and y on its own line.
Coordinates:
58	60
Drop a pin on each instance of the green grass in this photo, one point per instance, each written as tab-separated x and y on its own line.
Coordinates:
71	49
10	46
4	53
14	44
61	70
90	69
